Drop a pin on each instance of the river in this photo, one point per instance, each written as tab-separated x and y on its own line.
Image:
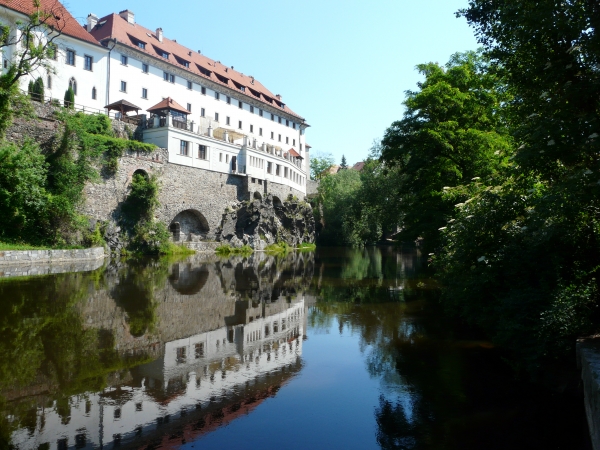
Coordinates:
340	348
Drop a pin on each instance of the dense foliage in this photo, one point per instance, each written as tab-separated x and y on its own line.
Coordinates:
497	168
41	190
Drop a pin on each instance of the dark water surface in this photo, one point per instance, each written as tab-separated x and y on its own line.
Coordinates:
335	349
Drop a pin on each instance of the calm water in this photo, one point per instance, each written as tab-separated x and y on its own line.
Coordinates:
335	349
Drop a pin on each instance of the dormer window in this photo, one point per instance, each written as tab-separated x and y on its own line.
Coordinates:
141	45
165	55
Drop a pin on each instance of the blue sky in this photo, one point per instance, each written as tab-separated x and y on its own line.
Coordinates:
342	65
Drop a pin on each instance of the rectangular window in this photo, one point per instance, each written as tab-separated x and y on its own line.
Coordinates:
165	76
294	142
216	117
200	350
227	121
269	167
277	167
171	78
124	60
145	68
294	125
279	119
202	152
300	147
203	90
287	140
272	135
279	138
285	172
251	128
217	95
181	355
273	117
220	157
240	124
142	45
183	148
240	105
260	131
202	112
228	100
189	107
88	62
123	86
252	109
227	159
260	112
287	123
144	93
94	93
49	82
70	57
190	85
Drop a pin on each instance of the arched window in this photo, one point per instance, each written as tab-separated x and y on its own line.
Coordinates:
94	93
73	85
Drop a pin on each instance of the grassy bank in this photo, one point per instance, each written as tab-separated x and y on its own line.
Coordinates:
227	250
21	247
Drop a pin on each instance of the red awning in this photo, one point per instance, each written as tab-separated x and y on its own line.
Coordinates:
294	153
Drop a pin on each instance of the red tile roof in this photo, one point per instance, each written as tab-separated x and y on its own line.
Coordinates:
62	19
358	166
114	26
293	152
168	103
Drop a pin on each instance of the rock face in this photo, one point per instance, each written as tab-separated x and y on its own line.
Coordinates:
259	223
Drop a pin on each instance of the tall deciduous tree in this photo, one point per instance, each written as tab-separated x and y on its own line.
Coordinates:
319	164
522	259
451	132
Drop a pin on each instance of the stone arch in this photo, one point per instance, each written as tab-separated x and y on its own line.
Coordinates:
189	225
187	280
141	172
257	196
277	202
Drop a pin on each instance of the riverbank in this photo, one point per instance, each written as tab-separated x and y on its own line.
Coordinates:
17	257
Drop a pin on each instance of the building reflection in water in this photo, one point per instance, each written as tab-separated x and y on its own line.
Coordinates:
199	380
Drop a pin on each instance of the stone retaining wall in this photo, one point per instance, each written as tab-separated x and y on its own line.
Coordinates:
14	257
588	360
37	269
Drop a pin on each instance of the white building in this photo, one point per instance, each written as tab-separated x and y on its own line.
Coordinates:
219	119
225	121
80	61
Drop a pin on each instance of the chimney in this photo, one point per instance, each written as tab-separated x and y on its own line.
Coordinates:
128	16
278	97
159	34
92	20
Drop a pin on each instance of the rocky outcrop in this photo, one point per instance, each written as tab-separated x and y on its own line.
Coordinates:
259	223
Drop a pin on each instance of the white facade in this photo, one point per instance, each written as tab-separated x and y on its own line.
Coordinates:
211	107
211	366
89	81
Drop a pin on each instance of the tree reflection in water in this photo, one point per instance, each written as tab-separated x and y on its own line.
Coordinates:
440	388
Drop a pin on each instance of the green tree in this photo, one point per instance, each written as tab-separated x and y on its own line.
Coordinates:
70	98
521	260
451	132
38	90
343	164
319	164
23	195
337	200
